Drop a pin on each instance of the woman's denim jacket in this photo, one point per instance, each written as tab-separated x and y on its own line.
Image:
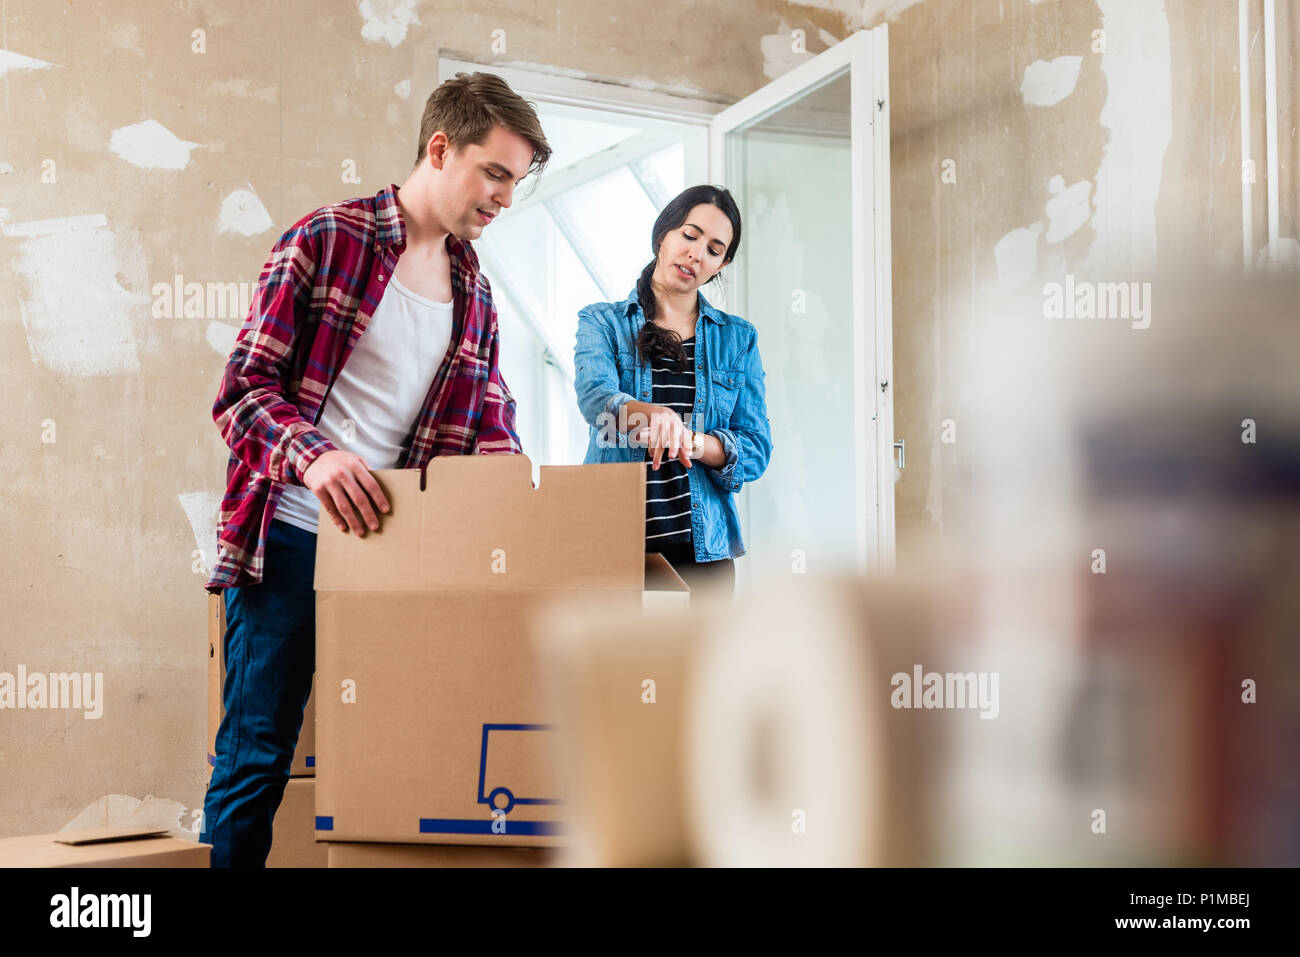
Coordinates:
729	403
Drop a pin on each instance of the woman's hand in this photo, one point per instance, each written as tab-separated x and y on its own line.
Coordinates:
662	431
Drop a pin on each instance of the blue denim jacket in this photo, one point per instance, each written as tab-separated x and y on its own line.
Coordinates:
730	403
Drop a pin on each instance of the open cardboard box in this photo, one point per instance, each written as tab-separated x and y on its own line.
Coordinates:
103	847
429	725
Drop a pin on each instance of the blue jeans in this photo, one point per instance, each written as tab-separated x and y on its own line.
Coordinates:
270	647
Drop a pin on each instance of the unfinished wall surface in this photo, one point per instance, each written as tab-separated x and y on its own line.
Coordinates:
1034	139
151	146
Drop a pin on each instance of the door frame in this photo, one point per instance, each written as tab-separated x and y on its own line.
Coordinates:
865	57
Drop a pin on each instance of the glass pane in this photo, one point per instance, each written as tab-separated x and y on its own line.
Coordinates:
513	243
665	171
614	216
542	275
542	271
570	287
573	139
565	427
792	172
520	365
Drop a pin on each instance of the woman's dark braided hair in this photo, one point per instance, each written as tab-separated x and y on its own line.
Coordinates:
656	342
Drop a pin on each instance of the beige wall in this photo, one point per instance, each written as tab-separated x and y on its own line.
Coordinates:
1155	135
96	573
100	524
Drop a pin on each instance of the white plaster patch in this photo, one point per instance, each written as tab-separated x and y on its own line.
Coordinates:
891	9
856	15
845	8
402	89
122	810
1139	115
76	309
1068	208
5	168
126	36
1016	256
11	62
1047	82
203	509
778	57
386	21
242	212
150	145
221	336
50	227
242	87
860	13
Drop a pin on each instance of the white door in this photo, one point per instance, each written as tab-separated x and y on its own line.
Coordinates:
807	158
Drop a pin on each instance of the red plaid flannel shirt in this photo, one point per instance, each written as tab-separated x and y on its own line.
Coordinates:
316	293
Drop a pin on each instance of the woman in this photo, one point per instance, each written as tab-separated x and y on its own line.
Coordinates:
665	377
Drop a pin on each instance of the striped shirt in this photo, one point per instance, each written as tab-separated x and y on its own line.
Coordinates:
316	293
668	491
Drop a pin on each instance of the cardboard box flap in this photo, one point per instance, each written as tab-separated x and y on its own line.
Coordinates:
478	523
661	576
103	835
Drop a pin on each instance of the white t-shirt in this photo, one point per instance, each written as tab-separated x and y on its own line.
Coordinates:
374	403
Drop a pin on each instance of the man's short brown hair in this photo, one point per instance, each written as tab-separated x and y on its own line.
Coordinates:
468	105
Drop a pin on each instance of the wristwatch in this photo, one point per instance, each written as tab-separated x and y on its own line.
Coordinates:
697	444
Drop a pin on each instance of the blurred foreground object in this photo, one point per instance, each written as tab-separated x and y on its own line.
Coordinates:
1098	666
742	734
1134	513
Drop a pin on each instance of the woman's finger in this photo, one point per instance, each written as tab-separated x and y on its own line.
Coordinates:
657	441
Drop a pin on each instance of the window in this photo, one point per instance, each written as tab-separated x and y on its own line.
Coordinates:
580	235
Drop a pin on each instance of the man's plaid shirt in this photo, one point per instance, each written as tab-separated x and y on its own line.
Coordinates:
317	291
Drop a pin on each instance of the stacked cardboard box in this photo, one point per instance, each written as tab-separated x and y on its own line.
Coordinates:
103	847
433	731
437	855
293	834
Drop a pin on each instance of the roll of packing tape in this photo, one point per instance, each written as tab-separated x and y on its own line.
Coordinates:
782	739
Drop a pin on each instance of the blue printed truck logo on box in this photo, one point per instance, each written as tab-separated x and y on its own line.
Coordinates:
512	766
503	744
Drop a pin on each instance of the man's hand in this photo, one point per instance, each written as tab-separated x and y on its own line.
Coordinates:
341	481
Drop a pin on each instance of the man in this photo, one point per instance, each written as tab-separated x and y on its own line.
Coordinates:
371	343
